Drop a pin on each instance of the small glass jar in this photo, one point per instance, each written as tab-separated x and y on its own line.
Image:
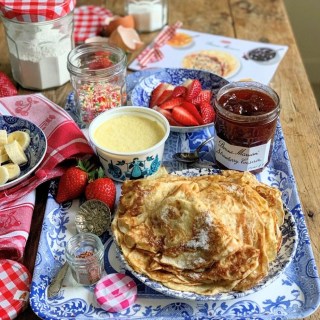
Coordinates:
246	119
97	72
39	37
85	256
149	15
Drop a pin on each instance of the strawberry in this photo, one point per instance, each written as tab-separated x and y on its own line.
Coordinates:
166	95
73	182
157	92
168	115
170	104
6	86
193	88
207	112
179	91
193	110
101	60
102	188
203	96
184	117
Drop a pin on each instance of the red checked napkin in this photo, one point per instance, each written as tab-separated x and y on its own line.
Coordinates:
14	283
88	21
153	52
65	141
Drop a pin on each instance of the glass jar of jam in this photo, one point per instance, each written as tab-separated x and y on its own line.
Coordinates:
246	119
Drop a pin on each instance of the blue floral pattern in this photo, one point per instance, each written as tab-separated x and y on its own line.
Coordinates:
294	294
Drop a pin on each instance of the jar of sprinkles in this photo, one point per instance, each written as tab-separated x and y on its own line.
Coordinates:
84	254
97	73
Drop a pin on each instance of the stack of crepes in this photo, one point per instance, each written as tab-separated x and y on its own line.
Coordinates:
205	234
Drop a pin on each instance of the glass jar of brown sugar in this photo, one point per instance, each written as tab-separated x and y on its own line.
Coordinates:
246	119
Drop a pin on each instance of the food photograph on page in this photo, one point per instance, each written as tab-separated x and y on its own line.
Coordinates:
147	163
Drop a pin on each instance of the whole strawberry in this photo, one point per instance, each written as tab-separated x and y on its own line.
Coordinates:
73	182
102	189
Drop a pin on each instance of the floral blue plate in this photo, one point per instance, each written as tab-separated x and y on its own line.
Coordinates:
36	150
141	93
285	255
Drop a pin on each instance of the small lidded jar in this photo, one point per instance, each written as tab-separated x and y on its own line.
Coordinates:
85	256
149	15
97	72
246	120
39	37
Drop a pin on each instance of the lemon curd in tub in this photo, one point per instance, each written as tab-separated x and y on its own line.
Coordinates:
128	133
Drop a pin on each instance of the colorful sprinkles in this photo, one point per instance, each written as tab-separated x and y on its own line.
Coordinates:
94	98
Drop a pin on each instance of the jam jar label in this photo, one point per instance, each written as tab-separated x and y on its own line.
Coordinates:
241	158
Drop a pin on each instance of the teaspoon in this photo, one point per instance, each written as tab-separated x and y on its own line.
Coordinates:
190	157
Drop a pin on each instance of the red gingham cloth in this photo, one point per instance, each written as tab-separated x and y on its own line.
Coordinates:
65	140
14	283
36	10
88	21
115	292
153	52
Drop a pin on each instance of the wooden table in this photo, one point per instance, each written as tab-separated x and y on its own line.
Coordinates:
257	20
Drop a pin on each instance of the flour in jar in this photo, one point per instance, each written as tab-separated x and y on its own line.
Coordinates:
38	54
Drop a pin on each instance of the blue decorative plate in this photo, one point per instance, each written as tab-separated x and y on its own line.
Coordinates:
285	255
141	93
36	150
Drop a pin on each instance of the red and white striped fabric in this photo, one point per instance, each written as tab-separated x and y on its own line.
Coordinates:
115	292
65	141
153	52
88	21
36	10
14	283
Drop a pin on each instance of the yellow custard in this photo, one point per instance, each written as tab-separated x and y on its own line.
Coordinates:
128	133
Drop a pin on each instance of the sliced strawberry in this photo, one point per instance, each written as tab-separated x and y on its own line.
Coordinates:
193	88
179	91
184	117
193	110
203	96
168	115
157	92
170	104
207	112
166	95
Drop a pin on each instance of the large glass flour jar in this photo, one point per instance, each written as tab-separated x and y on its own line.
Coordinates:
39	37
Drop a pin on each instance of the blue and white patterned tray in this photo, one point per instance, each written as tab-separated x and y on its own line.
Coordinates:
294	294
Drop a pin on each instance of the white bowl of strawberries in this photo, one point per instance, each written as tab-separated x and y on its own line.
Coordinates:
184	96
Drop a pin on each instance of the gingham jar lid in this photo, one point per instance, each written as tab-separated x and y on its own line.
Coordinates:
14	283
115	292
35	10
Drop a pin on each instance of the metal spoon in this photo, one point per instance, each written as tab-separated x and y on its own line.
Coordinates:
93	216
190	157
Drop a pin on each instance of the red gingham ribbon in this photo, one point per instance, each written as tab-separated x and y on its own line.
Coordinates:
153	52
88	20
36	10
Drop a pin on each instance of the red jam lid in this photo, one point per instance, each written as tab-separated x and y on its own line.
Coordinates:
35	10
115	292
14	283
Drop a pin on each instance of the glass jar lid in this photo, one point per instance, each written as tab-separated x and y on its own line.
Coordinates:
35	10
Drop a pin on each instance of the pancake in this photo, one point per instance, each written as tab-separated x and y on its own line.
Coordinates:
218	62
205	234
